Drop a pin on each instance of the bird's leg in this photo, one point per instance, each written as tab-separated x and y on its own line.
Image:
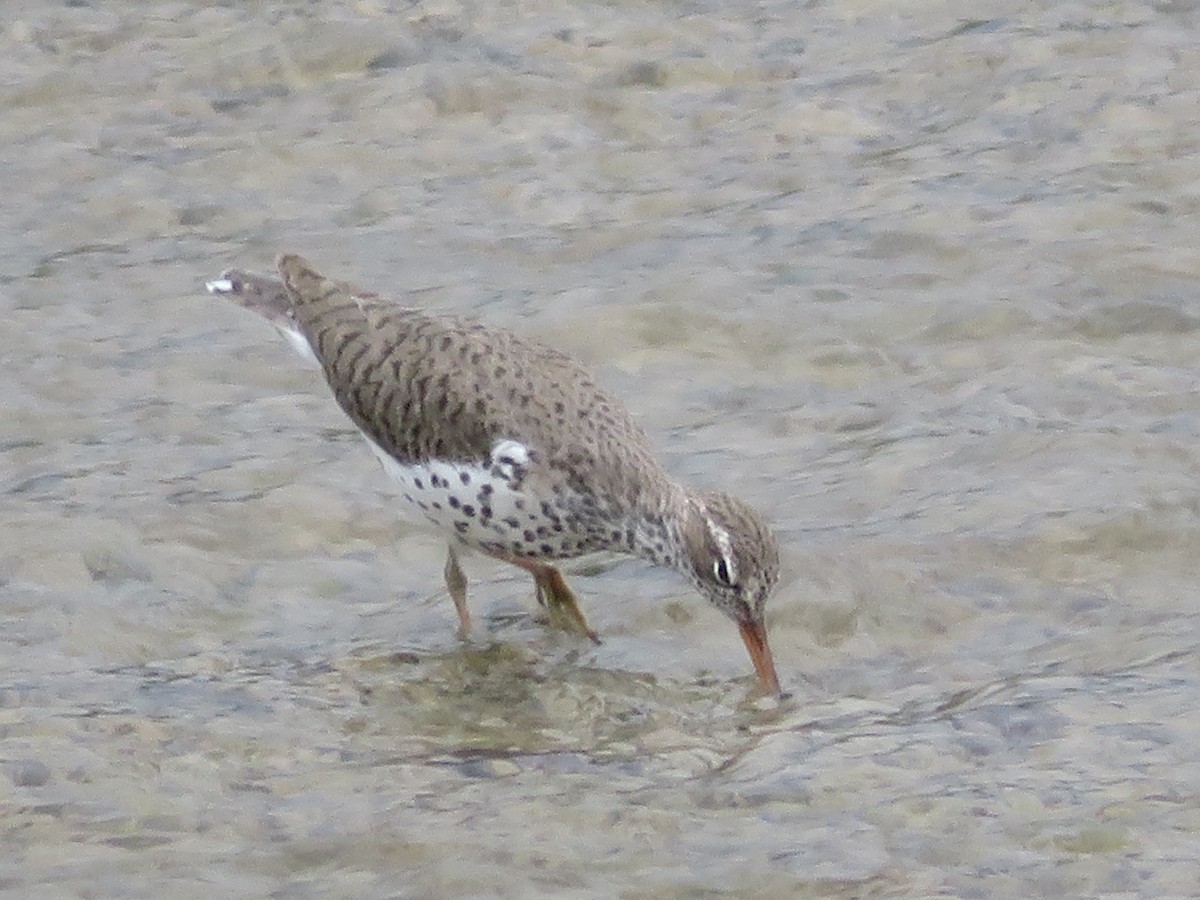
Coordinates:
556	596
553	593
456	584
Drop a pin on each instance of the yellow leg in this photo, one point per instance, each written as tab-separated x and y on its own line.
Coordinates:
456	584
553	593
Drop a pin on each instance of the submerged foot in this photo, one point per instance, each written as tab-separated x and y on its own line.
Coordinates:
559	600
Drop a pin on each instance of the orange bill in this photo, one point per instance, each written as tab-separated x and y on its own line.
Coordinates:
754	635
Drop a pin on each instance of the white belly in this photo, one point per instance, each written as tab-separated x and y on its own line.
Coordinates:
481	510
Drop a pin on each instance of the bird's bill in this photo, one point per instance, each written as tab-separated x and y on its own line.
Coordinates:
754	636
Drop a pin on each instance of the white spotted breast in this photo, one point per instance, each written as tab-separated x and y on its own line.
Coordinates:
486	507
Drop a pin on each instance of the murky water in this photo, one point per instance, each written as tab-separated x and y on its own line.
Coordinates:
920	283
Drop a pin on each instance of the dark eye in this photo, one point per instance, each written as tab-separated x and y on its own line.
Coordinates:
721	572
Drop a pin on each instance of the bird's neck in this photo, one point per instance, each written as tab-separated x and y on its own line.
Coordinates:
660	527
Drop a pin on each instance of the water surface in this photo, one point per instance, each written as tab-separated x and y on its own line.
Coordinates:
919	285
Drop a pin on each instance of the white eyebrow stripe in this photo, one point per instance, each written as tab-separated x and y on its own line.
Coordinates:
724	543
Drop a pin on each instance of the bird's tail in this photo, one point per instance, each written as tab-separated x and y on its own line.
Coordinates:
293	304
265	296
270	299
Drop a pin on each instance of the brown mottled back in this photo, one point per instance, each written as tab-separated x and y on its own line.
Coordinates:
423	387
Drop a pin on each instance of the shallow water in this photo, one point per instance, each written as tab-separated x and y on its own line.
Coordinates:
921	288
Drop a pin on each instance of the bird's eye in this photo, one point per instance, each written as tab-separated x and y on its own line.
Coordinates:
722	572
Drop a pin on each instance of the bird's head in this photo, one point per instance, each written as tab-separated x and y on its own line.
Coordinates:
733	559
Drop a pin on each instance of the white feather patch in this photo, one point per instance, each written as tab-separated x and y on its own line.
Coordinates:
299	343
510	452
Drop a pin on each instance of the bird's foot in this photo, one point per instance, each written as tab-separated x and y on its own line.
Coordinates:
559	600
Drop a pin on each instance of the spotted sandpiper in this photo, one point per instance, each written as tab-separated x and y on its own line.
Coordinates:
511	448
